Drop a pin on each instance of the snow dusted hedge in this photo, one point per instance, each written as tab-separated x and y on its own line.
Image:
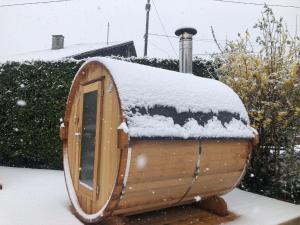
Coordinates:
201	67
32	101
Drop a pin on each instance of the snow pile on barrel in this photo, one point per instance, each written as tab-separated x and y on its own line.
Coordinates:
163	103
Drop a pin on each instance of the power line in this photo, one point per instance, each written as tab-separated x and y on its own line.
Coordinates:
159	48
34	3
257	4
164	28
225	1
209	54
163	35
195	39
220	53
207	40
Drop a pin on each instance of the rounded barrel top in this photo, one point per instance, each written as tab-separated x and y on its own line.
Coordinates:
159	103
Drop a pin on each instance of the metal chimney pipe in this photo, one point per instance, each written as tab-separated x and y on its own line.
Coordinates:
186	48
57	42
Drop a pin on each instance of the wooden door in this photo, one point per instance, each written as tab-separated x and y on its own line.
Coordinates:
89	136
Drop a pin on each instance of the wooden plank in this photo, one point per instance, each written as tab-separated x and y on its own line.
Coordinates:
84	203
98	140
160	173
214	182
157	185
70	144
151	196
224	150
106	147
164	160
89	206
80	199
221	166
87	82
94	72
141	209
166	173
225	166
110	153
77	139
63	133
191	198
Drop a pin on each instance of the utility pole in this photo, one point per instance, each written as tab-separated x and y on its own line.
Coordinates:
148	7
107	36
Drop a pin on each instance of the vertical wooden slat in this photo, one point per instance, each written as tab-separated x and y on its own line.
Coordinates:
221	165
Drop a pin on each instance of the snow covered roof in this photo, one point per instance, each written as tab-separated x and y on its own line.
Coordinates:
167	104
66	52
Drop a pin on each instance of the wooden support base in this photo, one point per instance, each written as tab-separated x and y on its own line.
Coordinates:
216	205
183	215
211	211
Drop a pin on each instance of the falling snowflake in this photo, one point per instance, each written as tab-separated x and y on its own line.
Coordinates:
21	103
141	161
197	198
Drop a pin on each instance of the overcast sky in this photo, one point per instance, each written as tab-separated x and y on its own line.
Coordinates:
29	28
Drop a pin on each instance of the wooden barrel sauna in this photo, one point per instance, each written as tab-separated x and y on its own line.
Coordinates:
137	138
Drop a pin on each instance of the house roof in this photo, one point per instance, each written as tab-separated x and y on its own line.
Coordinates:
159	103
71	51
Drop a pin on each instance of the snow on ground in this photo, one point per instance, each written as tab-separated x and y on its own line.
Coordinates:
35	197
253	209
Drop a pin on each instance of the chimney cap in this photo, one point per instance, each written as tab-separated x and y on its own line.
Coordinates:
183	30
57	35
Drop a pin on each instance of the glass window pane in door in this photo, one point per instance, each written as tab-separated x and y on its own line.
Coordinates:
88	138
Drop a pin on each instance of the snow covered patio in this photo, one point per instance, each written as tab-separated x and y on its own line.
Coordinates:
35	197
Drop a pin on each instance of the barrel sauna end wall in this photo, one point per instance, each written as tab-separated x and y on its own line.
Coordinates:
137	139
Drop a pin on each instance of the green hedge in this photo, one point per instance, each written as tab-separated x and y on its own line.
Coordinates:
29	134
201	67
